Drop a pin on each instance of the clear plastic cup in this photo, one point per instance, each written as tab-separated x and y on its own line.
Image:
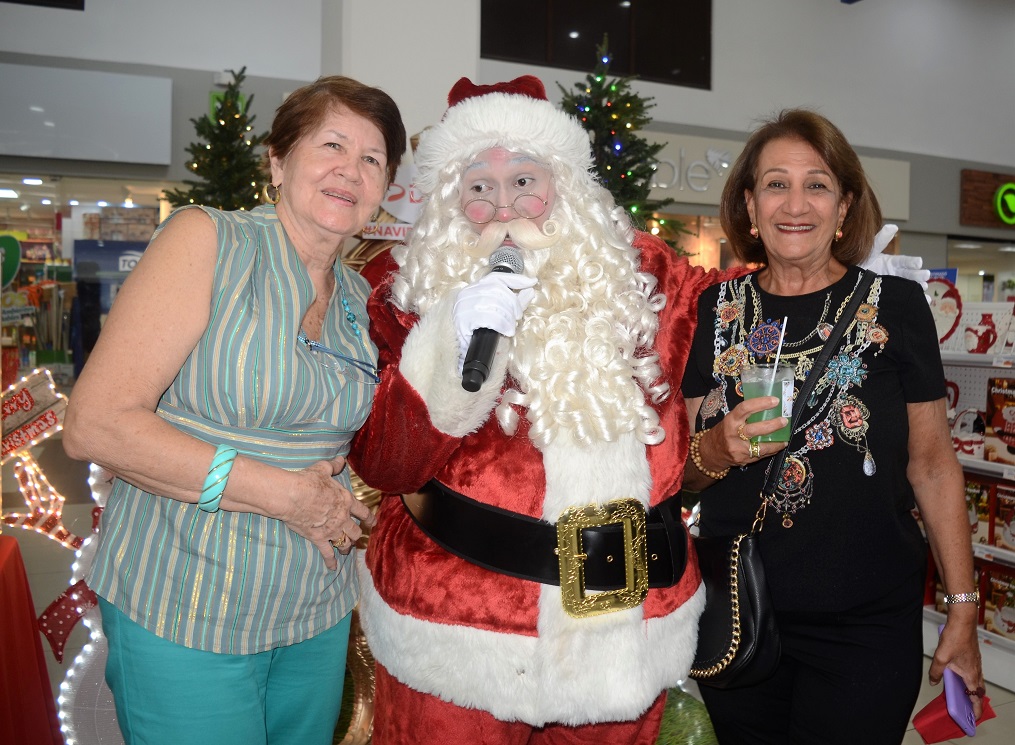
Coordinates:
764	379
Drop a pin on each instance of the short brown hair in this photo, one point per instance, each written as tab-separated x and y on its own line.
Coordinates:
863	219
304	110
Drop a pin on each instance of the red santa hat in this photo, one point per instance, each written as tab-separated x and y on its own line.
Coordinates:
515	115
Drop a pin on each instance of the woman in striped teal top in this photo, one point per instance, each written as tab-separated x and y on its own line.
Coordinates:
223	392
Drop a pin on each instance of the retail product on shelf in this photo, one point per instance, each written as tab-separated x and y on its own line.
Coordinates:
945	306
999	601
121	224
982	328
968	431
999	440
1004	518
978	507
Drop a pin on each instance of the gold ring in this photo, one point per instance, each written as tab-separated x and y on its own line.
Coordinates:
740	433
755	449
343	541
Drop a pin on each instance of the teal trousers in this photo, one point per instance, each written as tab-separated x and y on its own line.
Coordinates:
168	694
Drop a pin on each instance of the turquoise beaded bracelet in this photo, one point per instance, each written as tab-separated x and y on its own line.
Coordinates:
218	475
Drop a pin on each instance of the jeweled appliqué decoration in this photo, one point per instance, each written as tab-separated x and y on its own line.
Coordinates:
764	339
834	415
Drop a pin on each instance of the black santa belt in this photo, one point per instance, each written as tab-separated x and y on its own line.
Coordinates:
617	550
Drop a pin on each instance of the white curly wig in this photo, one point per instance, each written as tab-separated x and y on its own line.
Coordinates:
582	361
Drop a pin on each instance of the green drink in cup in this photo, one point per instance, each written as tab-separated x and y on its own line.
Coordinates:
767	379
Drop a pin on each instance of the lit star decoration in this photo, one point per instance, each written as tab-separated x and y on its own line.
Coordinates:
45	505
32	412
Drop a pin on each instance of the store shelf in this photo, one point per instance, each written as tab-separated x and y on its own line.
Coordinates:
968	375
995	554
1004	360
1004	471
997	652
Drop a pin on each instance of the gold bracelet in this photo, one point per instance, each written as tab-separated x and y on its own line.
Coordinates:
696	458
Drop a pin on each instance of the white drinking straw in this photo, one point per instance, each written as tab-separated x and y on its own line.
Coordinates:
782	335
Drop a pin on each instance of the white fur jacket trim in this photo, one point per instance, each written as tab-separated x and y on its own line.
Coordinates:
607	668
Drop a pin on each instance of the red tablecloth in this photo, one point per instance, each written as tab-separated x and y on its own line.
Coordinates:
27	709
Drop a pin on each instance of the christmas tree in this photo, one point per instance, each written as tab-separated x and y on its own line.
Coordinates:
624	162
225	158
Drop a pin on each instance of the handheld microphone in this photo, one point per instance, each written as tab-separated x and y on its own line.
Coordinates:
484	341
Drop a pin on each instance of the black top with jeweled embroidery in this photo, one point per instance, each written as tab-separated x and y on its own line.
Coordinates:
842	532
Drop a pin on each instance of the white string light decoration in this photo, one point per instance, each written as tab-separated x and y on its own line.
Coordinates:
86	709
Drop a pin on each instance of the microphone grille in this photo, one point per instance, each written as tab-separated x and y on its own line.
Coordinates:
509	258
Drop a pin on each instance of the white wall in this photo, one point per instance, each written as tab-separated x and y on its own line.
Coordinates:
921	76
273	38
413	49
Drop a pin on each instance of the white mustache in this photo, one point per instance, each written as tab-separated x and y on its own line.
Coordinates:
522	231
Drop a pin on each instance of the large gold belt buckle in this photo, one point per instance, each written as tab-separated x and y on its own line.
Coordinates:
626	512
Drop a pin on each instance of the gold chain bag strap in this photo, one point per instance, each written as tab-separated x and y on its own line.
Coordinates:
738	639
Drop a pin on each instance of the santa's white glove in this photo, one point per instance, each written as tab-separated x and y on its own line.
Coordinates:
908	267
491	302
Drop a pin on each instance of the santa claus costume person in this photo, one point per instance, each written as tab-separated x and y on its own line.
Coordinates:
540	584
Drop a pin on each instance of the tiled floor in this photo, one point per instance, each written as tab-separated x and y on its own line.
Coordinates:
48	565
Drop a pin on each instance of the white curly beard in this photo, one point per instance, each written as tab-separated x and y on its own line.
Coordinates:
573	359
582	362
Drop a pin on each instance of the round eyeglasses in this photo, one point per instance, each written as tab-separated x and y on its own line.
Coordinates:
481	211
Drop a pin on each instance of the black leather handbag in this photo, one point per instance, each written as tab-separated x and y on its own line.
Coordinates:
738	638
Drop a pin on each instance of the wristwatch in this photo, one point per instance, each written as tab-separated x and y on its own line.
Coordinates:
963	597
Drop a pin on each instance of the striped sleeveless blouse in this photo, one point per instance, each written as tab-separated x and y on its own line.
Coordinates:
237	582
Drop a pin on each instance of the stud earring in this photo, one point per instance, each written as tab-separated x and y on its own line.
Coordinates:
754	230
838	234
271	193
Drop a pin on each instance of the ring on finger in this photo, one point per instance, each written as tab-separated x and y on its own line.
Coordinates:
741	435
755	449
343	541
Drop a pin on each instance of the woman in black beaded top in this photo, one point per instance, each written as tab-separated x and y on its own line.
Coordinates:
844	554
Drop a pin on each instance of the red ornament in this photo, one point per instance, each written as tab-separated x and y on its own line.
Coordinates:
62	615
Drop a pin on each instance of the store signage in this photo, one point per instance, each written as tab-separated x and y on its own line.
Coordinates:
987	200
403	201
10	257
128	260
16	306
693	170
1004	203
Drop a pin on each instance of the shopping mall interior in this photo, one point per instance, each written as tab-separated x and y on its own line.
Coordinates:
101	103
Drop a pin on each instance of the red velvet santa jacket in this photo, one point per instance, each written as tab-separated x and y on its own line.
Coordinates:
486	640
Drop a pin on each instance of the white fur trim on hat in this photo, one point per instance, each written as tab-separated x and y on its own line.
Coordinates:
515	122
